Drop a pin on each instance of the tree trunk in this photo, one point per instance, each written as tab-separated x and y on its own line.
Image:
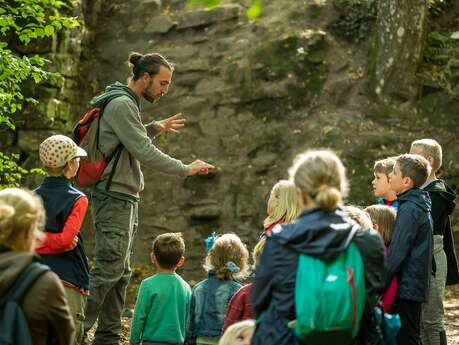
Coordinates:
398	49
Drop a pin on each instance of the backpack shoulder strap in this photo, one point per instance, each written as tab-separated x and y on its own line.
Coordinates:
118	149
25	280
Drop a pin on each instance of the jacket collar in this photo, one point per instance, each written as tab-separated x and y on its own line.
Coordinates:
56	181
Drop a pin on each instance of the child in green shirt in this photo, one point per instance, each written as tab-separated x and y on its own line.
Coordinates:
162	305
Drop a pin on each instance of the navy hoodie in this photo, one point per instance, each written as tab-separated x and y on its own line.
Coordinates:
410	251
320	234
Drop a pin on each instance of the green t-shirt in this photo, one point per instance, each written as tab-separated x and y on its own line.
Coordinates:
161	309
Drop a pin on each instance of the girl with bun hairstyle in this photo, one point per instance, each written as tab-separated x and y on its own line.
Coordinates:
45	303
226	261
322	231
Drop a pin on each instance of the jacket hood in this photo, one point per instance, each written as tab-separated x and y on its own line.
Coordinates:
317	233
440	188
418	196
115	90
12	263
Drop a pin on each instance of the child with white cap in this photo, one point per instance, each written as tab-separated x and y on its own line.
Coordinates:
62	248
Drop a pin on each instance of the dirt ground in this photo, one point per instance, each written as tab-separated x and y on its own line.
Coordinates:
451	315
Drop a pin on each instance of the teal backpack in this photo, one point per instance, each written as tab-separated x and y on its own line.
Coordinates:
329	298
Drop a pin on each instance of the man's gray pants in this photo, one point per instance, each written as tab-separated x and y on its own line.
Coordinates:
116	225
432	311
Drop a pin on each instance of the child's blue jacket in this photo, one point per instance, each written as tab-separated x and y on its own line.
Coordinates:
209	302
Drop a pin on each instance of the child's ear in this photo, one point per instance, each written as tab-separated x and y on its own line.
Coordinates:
408	181
181	261
152	258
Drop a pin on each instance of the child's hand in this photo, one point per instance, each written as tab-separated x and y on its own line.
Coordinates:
73	245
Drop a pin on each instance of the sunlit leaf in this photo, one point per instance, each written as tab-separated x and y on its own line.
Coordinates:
49	30
255	10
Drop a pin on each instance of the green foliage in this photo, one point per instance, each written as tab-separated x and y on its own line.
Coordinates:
438	7
253	12
441	59
355	19
11	173
23	22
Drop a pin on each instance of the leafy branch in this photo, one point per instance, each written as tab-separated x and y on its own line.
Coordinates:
22	22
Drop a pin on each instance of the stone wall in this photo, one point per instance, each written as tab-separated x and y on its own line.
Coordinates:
255	94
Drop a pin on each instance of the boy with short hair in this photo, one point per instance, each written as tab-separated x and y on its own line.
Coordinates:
410	251
380	183
162	305
62	248
446	270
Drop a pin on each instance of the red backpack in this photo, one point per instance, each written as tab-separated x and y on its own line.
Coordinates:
86	135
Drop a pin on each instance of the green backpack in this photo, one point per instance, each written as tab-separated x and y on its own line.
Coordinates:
329	298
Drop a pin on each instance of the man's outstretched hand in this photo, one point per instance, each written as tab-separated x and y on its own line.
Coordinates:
199	167
170	124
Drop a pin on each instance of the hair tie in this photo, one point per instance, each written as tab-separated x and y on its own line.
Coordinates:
209	241
233	267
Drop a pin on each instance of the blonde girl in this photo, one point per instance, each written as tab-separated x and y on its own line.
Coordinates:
239	333
44	304
226	262
283	204
323	231
383	218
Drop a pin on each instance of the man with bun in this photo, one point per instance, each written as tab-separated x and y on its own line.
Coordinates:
115	203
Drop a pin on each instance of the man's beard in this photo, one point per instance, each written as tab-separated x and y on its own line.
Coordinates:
147	96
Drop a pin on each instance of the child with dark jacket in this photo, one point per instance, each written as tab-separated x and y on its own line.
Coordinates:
323	230
445	263
62	249
410	252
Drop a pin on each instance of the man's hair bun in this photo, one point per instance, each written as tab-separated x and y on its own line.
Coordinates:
134	58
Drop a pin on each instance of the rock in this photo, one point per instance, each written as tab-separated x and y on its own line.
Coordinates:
207	210
207	17
180	55
147	6
264	161
212	85
159	25
225	112
194	65
190	78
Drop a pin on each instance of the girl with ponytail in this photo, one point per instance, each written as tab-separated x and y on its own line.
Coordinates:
322	231
44	303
